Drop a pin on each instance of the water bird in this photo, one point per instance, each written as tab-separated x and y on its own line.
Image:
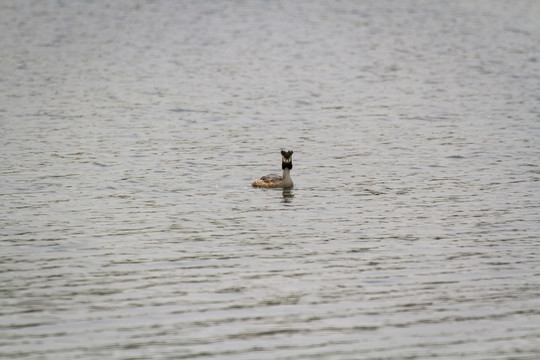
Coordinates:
276	180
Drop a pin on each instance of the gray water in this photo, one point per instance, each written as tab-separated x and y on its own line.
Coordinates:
132	130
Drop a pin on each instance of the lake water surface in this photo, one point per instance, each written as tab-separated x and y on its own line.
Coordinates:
132	130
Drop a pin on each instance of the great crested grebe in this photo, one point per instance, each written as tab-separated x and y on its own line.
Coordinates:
275	180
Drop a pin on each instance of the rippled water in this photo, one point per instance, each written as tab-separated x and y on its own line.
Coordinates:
131	131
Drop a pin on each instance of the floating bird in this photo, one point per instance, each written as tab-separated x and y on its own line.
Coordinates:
276	180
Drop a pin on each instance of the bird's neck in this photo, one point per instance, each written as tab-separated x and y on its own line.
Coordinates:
287	175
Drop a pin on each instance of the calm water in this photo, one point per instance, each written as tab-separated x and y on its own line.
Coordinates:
131	131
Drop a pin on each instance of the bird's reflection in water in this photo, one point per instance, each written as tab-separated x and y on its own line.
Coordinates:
287	195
